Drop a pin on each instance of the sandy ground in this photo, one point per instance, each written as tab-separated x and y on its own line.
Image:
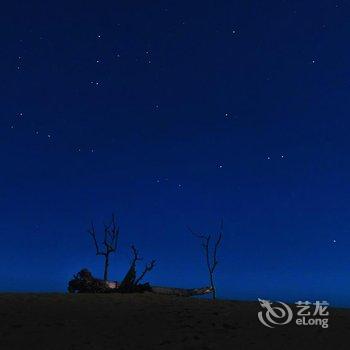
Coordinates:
59	321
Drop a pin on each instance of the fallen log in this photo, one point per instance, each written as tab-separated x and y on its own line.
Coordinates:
183	292
84	282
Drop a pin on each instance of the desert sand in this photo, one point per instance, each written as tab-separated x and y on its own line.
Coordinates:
148	321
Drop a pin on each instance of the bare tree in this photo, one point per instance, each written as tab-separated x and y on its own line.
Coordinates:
149	267
109	243
210	253
130	279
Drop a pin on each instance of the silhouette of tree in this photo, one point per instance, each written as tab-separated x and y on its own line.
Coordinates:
109	243
130	281
210	253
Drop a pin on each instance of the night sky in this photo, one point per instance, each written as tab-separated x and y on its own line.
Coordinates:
174	114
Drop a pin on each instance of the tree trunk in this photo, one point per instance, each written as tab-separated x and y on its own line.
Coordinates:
212	284
183	292
105	274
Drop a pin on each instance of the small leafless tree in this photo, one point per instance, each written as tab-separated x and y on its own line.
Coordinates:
149	267
210	253
109	243
130	278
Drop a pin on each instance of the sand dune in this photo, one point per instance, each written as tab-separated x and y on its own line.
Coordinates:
146	321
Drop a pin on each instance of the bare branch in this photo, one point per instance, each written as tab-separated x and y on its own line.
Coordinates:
217	243
197	234
110	239
210	254
149	267
92	232
136	255
129	279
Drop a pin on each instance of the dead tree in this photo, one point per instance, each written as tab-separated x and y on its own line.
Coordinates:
210	254
149	267
109	243
130	280
181	292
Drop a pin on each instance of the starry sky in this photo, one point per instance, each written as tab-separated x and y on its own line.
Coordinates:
174	114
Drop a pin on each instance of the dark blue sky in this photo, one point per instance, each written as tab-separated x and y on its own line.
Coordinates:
175	114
